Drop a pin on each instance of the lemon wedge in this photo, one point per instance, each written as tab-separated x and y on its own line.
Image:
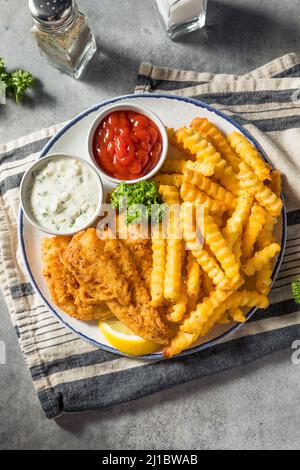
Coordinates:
122	338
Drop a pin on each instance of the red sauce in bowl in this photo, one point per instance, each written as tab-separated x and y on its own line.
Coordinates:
127	145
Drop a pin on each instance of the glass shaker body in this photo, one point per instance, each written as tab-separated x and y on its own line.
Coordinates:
68	48
180	17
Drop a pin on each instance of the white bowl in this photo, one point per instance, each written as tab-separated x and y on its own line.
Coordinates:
24	189
138	109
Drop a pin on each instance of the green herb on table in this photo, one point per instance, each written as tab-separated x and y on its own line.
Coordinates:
296	290
141	201
16	83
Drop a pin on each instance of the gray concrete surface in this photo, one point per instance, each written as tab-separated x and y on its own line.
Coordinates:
254	407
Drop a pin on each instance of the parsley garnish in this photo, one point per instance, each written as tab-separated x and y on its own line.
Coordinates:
141	200
16	83
296	290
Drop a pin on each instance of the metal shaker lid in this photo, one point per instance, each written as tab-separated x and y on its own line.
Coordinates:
52	14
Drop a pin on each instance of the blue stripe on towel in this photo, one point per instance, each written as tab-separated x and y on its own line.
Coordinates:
277	309
131	384
165	85
23	152
21	290
292	72
247	97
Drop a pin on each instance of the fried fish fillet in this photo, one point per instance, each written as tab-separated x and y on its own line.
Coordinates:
140	316
107	265
66	292
138	242
141	253
95	269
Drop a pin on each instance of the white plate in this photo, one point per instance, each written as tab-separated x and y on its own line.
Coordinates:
174	112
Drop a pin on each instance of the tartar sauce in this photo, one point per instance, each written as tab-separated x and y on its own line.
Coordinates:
63	195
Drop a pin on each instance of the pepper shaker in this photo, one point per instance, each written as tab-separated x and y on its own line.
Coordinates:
62	35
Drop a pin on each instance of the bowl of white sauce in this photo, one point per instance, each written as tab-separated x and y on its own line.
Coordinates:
61	194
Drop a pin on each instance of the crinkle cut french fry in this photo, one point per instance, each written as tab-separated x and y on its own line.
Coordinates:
260	259
158	271
262	193
214	190
251	156
228	179
178	309
237	314
263	279
174	179
253	228
176	151
195	321
189	227
175	154
276	185
206	262
203	168
236	222
211	162
174	166
172	282
211	267
179	343
173	270
222	251
242	298
170	194
204	152
266	236
193	276
237	249
219	141
189	193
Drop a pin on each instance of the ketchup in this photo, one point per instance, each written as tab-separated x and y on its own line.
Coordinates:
127	145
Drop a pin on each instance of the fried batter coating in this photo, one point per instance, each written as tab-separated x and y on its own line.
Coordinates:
137	240
66	292
95	269
106	266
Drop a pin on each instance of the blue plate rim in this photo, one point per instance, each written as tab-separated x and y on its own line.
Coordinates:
79	117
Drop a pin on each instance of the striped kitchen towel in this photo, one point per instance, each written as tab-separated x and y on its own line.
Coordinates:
71	375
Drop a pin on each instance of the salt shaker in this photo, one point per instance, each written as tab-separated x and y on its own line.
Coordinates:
181	16
62	35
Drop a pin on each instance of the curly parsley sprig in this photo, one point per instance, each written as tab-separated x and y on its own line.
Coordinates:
296	290
141	201
16	83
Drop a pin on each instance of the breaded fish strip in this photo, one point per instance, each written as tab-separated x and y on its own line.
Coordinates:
107	266
65	291
95	269
138	242
143	319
